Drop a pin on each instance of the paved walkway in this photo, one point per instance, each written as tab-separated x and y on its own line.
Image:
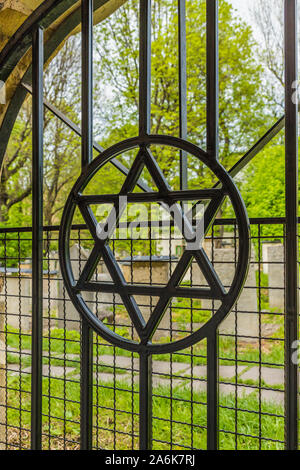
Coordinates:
165	373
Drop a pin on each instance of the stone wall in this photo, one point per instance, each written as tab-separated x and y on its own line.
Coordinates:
157	273
68	316
13	14
19	302
65	314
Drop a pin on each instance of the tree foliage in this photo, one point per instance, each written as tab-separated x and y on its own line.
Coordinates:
242	110
243	114
264	186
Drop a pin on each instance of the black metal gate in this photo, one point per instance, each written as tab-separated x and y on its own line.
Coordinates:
141	343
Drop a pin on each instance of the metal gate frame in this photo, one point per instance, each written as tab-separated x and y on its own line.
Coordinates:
32	34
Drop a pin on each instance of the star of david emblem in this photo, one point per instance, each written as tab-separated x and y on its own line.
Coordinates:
193	253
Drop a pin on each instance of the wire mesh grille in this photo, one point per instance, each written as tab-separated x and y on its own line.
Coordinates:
251	354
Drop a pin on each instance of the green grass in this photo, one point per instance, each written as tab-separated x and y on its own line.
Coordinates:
65	417
187	311
262	280
64	409
63	342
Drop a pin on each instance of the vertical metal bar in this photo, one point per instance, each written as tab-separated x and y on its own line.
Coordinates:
212	77
291	242
86	421
182	89
87	82
145	379
212	391
212	120
145	424
37	237
145	68
86	401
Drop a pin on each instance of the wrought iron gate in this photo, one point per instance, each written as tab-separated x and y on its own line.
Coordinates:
31	34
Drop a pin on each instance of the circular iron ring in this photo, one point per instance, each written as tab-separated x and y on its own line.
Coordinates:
243	250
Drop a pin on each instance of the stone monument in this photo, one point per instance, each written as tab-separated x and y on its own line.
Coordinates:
275	260
246	310
141	270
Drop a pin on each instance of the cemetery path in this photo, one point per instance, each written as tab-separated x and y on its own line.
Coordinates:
240	380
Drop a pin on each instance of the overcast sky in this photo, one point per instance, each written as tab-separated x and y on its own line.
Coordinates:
242	6
243	9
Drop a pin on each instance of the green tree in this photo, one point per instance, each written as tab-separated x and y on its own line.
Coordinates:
263	188
15	174
242	115
242	110
61	147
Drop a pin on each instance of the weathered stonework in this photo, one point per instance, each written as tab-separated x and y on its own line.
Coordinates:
244	321
275	260
156	273
13	13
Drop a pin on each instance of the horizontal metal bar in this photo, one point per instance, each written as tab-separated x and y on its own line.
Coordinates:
156	291
55	228
255	221
174	196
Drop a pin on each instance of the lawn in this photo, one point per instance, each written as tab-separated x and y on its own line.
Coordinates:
244	422
179	413
116	418
269	351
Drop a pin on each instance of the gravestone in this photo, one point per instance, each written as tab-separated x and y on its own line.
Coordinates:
50	289
174	245
19	302
247	311
67	314
18	287
105	300
50	293
140	270
264	256
275	259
